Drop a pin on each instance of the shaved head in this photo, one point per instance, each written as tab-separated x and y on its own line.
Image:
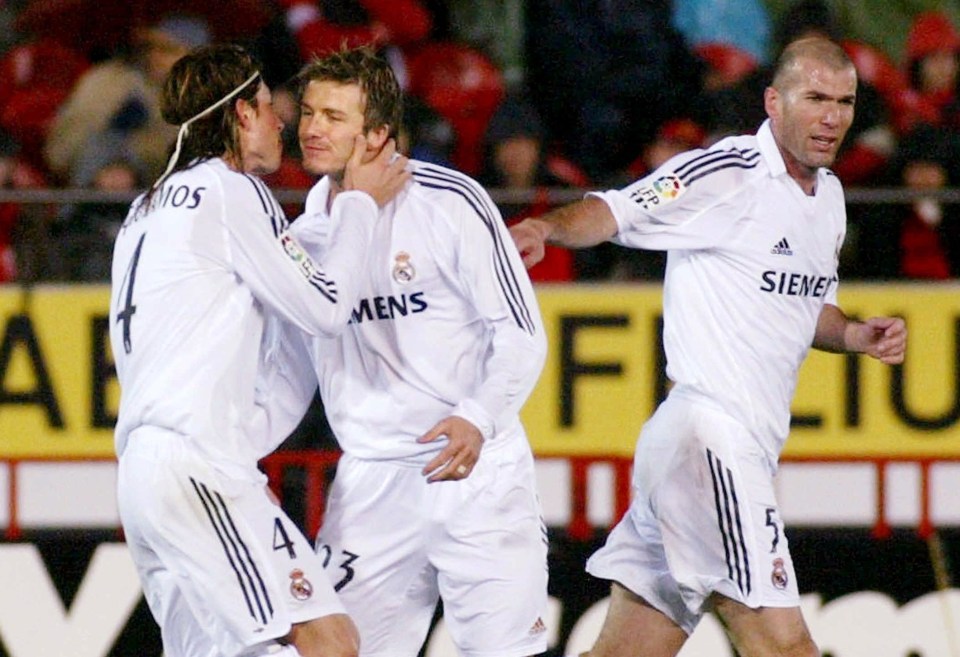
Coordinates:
818	49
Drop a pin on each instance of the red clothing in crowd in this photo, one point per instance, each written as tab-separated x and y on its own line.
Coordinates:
923	254
22	176
931	33
397	22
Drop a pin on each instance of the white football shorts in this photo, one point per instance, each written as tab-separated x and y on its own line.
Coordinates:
224	570
703	520
393	543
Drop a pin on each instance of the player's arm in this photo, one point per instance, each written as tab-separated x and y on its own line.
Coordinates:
492	275
662	211
495	280
317	297
579	225
883	338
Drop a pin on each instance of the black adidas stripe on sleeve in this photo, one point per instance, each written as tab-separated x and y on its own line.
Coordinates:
471	193
713	161
269	204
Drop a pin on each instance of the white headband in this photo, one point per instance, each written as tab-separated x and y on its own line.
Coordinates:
185	126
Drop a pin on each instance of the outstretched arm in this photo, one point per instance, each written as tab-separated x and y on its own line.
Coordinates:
578	225
883	338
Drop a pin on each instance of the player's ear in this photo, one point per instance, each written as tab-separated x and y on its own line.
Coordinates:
377	137
771	102
244	111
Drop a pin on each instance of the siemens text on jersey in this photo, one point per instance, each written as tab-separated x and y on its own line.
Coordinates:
793	284
388	307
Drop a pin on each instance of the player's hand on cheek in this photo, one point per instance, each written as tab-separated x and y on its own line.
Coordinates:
382	176
457	459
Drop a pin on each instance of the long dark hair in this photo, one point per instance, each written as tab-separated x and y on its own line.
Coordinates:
196	82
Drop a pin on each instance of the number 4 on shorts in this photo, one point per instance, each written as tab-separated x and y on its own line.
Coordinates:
281	540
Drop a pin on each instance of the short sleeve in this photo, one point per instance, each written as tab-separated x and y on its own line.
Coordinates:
685	204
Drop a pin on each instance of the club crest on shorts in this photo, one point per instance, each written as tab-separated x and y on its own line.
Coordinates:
403	271
779	574
300	586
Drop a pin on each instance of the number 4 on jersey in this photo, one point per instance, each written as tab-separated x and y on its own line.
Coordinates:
126	293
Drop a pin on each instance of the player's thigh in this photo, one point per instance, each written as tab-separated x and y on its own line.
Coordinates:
492	559
765	631
719	518
179	631
236	560
633	557
635	554
373	543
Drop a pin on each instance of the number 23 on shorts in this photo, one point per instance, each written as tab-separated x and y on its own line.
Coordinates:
326	552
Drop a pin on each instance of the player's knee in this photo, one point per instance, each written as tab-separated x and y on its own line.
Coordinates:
792	639
330	636
789	643
799	646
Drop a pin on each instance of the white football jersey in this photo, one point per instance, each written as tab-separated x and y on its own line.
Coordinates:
192	276
447	322
751	262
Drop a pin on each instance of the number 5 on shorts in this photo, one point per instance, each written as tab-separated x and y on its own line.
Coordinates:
772	523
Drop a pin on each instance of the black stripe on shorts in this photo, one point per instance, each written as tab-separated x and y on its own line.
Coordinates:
238	555
731	527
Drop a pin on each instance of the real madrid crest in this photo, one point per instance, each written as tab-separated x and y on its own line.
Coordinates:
403	271
779	574
300	586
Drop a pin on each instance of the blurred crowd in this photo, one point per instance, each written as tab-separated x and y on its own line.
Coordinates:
522	94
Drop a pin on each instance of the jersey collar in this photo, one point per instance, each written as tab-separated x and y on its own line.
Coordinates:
768	148
317	197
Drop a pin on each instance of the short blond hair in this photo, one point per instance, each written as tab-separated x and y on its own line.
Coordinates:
372	73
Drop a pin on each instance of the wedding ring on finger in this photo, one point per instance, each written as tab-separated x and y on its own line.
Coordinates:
461	469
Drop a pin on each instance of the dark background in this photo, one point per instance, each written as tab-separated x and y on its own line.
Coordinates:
832	562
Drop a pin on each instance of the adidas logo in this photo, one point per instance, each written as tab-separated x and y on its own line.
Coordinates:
782	248
538	627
